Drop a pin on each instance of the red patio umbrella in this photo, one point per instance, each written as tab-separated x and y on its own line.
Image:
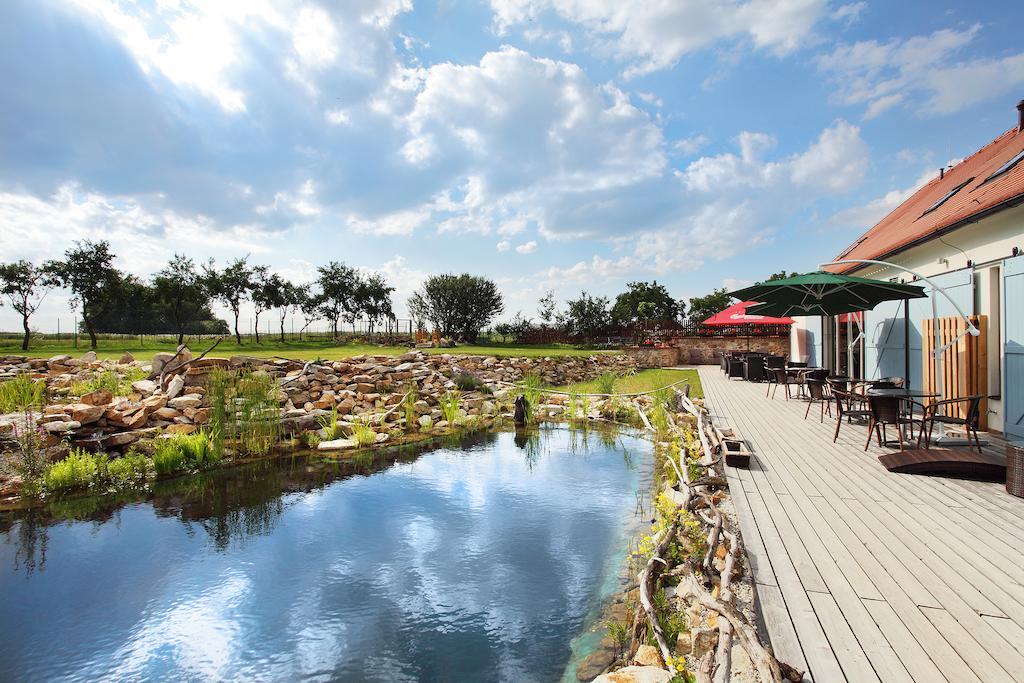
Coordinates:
736	315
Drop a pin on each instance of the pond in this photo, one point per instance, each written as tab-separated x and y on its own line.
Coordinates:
482	559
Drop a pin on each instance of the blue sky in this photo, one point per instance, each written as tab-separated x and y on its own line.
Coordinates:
548	144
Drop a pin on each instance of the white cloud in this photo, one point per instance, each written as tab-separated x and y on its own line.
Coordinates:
395	223
835	162
527	247
654	35
866	215
38	229
921	72
732	283
850	12
691	145
504	245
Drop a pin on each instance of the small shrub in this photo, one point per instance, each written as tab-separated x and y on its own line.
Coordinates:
532	387
450	406
21	393
28	457
606	382
76	471
466	381
129	470
116	384
312	439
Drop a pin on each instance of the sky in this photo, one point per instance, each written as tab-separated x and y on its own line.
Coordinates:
561	145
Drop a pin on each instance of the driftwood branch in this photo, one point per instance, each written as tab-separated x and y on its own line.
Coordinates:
648	586
167	370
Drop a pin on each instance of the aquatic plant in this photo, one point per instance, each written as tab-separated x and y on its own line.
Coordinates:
129	470
331	425
184	451
21	393
362	433
605	382
244	408
531	386
312	439
258	413
449	403
28	457
619	634
76	471
574	405
427	424
409	406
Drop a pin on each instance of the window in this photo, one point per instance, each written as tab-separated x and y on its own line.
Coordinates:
1007	166
945	198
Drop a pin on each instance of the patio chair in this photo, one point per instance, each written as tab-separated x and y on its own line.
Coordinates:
753	368
888	410
969	421
817	392
735	366
778	377
844	403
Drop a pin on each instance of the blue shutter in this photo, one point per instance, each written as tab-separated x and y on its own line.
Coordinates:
1013	347
884	341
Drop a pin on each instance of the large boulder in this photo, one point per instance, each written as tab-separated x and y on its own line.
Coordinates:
635	674
336	445
100	397
84	413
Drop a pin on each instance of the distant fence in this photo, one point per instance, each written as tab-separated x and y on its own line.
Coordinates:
396	331
660	331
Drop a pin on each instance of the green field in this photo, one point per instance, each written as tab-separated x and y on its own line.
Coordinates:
300	350
645	380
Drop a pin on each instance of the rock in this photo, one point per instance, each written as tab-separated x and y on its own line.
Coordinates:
159	361
100	397
89	357
647	655
186	401
61	426
381	438
488	408
126	358
85	413
144	386
181	429
704	640
336	445
175	386
167	413
635	674
424	421
597	661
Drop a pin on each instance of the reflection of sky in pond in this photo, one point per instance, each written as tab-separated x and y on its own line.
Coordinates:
474	563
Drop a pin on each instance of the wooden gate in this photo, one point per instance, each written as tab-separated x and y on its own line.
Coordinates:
964	364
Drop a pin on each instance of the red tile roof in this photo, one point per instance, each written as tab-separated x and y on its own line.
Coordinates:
909	223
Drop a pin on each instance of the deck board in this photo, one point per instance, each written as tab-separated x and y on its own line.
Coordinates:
874	574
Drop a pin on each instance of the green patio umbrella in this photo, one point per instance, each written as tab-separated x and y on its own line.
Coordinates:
823	293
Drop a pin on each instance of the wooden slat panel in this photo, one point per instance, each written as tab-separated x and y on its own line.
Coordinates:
964	364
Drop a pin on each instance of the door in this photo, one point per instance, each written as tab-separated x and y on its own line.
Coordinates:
1013	347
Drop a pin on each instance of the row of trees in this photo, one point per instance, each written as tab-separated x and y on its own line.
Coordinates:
178	299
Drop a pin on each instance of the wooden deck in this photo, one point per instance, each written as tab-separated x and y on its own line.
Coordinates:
863	574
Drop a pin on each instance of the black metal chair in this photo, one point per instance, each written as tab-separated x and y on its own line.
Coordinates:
778	377
969	421
735	368
844	403
888	410
817	392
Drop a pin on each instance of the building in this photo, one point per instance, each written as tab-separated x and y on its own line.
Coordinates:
964	231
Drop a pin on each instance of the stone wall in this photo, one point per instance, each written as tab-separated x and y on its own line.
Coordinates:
704	350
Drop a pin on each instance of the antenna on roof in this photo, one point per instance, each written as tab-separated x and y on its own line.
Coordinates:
1020	116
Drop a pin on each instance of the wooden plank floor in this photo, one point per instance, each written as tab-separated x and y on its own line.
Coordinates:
867	575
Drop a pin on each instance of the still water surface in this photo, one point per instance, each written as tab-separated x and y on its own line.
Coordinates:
478	561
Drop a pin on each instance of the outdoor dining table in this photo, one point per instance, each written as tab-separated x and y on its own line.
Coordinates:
899	392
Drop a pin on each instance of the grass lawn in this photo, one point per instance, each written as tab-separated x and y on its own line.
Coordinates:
301	350
645	380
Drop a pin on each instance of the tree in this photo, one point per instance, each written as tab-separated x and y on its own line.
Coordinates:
373	298
630	308
781	275
337	289
308	301
88	272
457	305
262	295
586	316
25	286
703	307
546	307
182	294
231	286
276	292
517	328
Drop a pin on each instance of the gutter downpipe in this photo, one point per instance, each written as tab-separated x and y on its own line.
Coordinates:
939	351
